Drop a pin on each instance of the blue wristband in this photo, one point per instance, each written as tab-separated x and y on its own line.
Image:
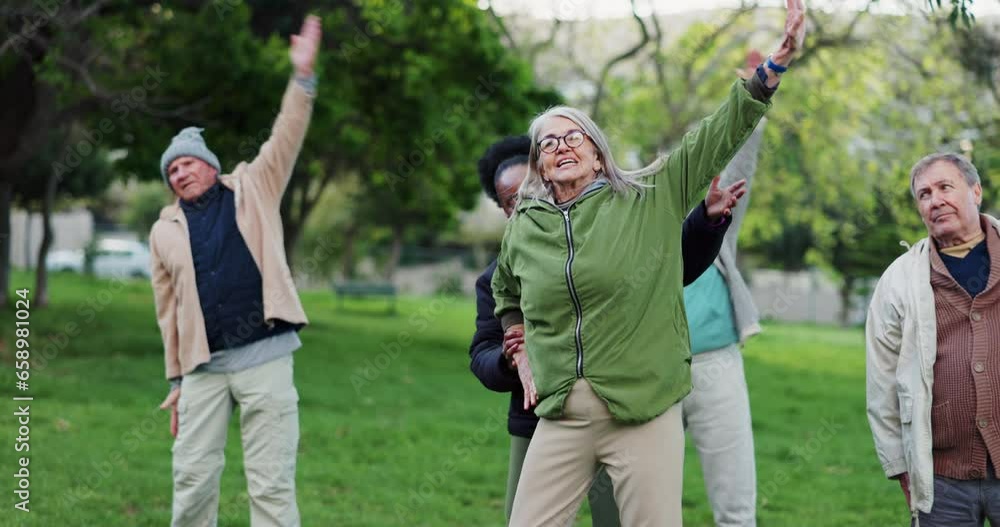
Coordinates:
774	67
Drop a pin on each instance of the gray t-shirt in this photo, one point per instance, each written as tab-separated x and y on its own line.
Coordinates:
245	357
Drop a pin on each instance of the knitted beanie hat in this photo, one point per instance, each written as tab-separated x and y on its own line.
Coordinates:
187	142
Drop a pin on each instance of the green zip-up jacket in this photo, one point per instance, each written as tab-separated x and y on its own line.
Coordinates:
600	285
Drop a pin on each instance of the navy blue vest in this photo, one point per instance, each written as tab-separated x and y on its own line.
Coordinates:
229	282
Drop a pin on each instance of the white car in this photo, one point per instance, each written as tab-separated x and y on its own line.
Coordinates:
120	258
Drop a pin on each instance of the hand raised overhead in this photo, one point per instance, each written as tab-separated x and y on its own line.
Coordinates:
305	46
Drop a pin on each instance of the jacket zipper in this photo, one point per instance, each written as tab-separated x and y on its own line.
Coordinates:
573	295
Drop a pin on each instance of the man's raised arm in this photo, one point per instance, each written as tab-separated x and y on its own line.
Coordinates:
273	165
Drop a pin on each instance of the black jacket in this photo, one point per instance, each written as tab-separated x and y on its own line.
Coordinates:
700	246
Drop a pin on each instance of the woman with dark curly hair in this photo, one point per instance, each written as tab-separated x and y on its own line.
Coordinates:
501	171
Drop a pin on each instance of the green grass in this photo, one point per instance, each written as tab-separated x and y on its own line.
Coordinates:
417	442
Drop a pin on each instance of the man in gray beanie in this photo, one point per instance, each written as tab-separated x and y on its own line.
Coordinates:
229	313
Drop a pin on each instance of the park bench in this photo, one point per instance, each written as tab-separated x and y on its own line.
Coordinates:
367	290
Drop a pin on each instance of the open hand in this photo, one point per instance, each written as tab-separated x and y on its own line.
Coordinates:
720	201
527	379
795	32
904	481
170	403
305	46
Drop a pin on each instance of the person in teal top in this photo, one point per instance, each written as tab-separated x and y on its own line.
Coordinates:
721	315
710	312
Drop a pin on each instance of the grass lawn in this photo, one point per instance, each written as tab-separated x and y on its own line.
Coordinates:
395	430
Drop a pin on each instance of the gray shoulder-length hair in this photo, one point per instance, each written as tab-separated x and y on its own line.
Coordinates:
621	180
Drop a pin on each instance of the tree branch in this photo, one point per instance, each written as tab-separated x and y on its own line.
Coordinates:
81	71
822	41
602	78
503	27
542	45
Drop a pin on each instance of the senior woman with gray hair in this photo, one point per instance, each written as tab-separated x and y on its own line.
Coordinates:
588	284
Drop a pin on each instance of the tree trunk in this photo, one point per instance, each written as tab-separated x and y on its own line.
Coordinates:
348	263
41	272
5	198
846	292
296	206
395	253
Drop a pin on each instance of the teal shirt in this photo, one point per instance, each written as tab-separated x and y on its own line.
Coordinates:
710	312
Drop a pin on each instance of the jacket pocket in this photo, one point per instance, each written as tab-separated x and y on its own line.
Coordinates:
942	431
905	408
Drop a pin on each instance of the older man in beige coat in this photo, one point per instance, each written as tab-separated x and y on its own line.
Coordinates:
229	313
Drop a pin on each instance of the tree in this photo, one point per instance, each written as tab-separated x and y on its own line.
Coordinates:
978	51
143	207
417	169
42	182
845	145
846	127
68	64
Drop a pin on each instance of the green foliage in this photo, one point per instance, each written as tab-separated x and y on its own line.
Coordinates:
435	87
325	234
82	169
144	205
832	185
409	95
961	10
846	138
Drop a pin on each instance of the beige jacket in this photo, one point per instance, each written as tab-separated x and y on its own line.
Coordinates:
258	187
901	341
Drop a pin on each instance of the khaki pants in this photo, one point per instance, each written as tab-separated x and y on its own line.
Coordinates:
269	427
717	414
645	462
603	511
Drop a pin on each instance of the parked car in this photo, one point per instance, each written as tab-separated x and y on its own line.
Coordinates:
120	258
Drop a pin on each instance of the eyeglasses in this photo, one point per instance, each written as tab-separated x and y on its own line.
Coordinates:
573	139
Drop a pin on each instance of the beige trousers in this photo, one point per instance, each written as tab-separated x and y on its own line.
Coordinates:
269	428
717	414
645	462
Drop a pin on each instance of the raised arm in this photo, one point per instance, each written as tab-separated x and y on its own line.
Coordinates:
705	228
272	167
707	149
743	167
